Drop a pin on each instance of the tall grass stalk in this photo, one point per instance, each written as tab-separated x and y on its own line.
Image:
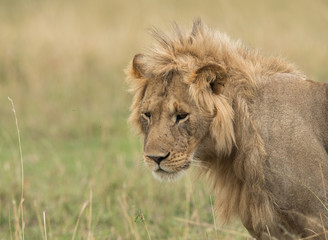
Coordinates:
268	231
21	203
146	227
124	206
16	222
323	182
41	226
9	219
45	225
323	227
188	187
90	235
140	216
78	219
210	226
214	221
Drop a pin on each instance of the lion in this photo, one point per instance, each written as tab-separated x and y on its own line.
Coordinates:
256	125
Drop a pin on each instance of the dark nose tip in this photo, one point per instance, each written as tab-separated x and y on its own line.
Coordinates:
158	159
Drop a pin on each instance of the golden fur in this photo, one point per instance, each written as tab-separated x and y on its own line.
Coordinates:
210	85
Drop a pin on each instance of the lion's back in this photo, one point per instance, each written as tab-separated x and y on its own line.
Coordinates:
292	118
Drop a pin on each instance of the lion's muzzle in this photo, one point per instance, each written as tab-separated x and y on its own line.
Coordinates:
158	159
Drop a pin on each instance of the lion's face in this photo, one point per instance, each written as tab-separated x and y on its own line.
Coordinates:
175	109
172	125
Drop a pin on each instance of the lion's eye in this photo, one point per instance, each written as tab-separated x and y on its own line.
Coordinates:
146	115
182	116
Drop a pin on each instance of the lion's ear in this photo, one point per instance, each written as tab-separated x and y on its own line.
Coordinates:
137	68
211	76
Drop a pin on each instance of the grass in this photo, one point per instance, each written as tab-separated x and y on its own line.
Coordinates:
61	62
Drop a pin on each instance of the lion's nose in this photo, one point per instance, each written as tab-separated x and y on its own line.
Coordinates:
158	159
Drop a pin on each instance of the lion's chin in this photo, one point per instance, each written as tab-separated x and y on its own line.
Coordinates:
162	175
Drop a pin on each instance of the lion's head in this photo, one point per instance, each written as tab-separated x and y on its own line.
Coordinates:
179	101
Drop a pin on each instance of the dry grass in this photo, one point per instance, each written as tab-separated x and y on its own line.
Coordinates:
62	64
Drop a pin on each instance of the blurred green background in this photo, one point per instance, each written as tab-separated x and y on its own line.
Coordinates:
62	64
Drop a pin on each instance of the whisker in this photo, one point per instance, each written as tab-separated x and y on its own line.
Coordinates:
198	162
198	165
141	165
179	159
193	161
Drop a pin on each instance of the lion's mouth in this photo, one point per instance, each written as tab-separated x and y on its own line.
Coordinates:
166	175
163	175
160	170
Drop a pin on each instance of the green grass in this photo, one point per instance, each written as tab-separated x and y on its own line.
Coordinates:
62	64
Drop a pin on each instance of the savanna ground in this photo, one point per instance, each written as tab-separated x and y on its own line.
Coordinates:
62	64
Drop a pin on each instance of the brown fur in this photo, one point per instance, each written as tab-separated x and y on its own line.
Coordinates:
201	98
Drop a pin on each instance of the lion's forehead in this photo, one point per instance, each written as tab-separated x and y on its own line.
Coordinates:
170	81
173	96
170	103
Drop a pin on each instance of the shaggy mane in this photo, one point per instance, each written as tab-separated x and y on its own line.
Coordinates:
179	50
